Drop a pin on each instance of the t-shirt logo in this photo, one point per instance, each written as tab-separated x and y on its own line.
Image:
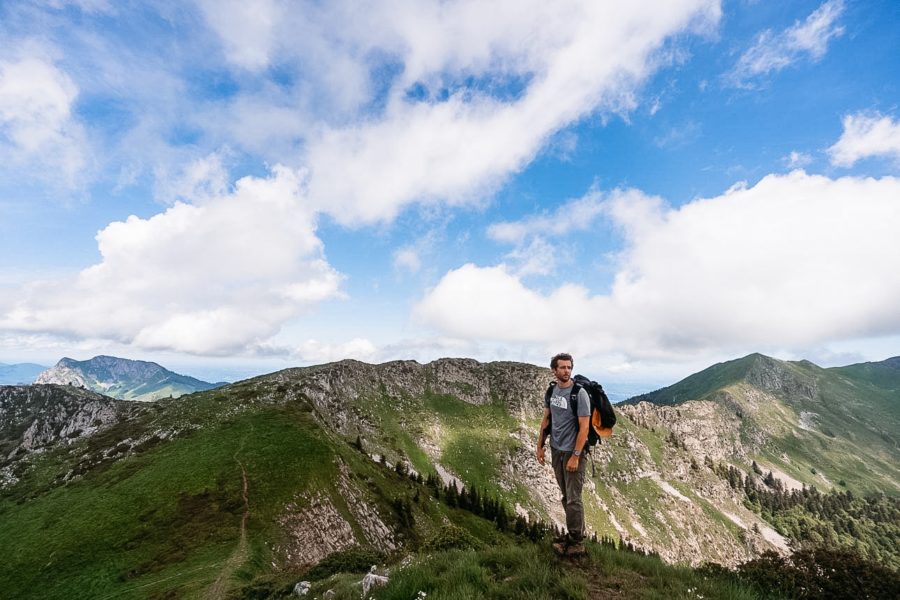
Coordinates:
560	402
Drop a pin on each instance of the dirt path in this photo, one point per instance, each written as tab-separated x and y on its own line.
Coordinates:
239	556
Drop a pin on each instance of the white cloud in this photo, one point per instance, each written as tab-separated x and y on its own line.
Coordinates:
540	243
314	351
576	214
198	181
211	278
864	136
245	28
775	51
460	148
325	85
797	160
37	129
407	258
794	261
322	87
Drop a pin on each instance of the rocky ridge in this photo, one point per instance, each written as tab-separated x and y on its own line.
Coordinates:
679	527
37	416
655	485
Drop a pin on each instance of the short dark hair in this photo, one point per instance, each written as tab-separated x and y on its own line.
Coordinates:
561	356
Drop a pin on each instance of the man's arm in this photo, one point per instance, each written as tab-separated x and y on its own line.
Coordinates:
583	424
541	437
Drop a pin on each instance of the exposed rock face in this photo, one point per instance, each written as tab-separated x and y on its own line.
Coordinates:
374	530
35	416
313	528
706	428
772	376
518	386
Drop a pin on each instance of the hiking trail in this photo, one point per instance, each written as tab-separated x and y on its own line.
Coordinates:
239	556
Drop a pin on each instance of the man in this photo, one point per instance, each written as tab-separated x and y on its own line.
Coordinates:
568	435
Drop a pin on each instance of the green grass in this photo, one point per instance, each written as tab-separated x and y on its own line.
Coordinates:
511	570
153	515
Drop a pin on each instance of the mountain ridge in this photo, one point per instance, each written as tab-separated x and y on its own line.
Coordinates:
152	487
122	378
19	373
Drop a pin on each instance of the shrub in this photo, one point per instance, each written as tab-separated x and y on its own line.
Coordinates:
820	574
450	536
352	560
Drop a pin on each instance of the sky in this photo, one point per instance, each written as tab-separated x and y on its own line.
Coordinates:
230	188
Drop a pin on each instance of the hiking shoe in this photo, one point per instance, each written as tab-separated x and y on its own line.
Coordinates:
569	548
575	549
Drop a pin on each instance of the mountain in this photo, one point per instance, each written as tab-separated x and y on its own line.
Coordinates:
305	473
807	424
20	373
123	378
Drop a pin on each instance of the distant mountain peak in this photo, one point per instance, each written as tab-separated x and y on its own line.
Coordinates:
19	373
122	378
763	372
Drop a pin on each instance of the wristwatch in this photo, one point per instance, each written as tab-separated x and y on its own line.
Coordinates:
577	453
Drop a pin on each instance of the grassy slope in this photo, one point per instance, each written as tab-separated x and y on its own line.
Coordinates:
163	522
167	517
701	385
510	569
167	514
472	439
855	414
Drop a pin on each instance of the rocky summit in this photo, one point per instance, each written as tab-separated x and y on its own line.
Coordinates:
122	378
272	476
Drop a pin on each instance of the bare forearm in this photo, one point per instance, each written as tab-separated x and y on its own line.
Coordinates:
541	435
582	433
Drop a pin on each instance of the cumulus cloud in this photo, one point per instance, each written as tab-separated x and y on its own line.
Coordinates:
37	128
773	51
795	260
864	136
539	241
461	146
314	351
797	160
374	107
198	181
215	277
245	29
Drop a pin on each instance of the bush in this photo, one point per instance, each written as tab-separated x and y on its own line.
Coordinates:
450	536
353	560
821	574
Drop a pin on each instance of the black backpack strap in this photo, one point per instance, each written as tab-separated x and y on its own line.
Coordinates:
573	398
547	394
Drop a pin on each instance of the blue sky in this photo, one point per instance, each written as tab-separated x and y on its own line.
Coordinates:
231	188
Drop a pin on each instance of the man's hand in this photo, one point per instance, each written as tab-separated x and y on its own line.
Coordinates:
540	454
572	463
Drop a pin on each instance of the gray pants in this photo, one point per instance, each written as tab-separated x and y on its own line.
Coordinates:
570	484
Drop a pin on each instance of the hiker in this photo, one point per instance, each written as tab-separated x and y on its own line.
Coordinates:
568	436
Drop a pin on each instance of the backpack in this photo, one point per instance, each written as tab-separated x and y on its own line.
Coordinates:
603	418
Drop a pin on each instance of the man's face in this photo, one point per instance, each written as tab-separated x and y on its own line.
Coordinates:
563	370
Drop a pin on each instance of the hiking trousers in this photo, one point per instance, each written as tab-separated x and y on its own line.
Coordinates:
570	485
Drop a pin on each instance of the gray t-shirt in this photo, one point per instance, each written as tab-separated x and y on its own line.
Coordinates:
564	426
